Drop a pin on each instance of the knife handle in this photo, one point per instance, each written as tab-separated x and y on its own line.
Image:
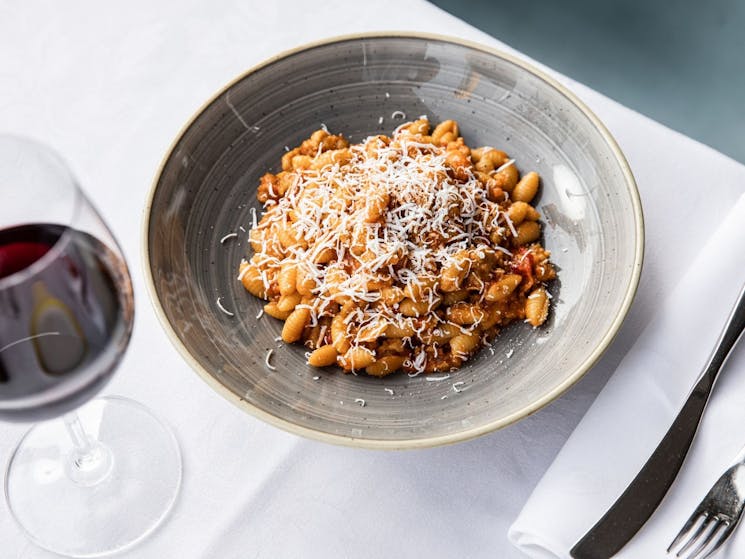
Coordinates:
728	338
644	494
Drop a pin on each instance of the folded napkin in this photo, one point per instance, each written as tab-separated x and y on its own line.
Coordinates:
635	409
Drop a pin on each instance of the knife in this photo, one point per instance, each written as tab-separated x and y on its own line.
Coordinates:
642	497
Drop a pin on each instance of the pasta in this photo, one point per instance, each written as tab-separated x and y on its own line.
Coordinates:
404	252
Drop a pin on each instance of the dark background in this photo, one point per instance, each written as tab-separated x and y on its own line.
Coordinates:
680	62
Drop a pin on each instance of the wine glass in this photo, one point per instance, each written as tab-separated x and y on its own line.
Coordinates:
99	479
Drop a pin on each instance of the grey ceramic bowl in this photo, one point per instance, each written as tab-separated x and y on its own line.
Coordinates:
206	189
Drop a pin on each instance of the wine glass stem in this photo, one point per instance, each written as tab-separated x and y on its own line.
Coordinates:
89	462
77	433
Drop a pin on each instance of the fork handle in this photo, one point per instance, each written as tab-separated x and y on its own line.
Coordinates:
644	494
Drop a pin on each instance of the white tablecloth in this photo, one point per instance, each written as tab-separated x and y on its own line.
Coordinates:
109	85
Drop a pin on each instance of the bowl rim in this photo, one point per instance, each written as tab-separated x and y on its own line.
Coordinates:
424	442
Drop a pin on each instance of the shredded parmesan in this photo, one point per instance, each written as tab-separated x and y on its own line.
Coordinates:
223	309
398	115
510	224
253	218
228	236
360	401
390	391
425	218
259	314
504	166
457	385
268	363
244	271
437	379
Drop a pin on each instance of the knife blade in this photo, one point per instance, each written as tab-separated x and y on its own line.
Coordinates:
644	494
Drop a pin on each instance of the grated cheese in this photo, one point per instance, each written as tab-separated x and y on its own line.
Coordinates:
390	391
244	271
267	358
253	218
510	224
457	385
223	309
421	200
360	401
228	236
505	165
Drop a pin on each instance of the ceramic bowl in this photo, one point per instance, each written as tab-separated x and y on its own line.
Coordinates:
360	85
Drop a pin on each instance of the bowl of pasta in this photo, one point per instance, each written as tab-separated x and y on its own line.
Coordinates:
393	240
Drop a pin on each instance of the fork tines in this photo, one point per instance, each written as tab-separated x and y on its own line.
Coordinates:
710	532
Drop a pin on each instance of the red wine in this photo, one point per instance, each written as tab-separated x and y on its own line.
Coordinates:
66	313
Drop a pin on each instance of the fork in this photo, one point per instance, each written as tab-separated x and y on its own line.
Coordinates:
716	517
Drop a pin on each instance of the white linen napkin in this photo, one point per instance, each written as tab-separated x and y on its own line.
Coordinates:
636	407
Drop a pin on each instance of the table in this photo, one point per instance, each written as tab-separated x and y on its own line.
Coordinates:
109	85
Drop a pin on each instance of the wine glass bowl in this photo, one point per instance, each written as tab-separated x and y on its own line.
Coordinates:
71	325
66	298
92	483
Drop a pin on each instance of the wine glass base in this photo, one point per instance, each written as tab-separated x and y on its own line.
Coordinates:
119	509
